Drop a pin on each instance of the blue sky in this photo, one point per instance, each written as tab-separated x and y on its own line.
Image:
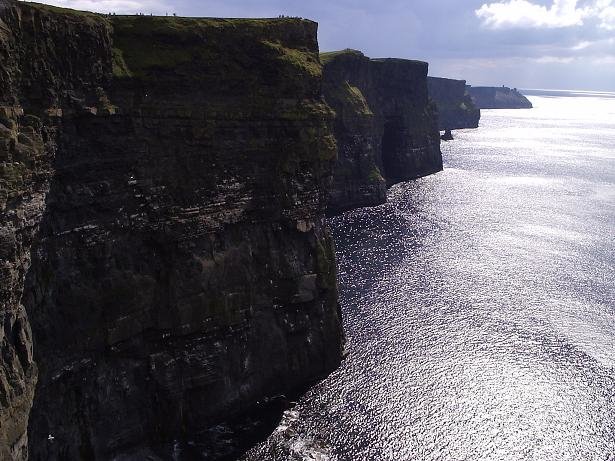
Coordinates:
560	44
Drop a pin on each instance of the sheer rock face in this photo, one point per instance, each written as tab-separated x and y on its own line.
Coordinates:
456	110
385	126
24	174
167	179
486	97
33	83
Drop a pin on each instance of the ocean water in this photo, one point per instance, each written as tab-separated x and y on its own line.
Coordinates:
479	303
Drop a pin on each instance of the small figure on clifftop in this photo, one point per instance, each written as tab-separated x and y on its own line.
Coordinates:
447	136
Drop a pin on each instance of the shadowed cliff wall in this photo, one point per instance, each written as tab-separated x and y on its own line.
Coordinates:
385	126
183	269
486	97
456	110
33	84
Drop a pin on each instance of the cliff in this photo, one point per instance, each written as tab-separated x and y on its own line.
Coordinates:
385	126
163	251
498	98
456	110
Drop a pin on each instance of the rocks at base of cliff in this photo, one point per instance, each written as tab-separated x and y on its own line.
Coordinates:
456	110
498	98
447	136
385	127
183	269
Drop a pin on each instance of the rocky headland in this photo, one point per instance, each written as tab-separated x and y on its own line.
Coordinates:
486	97
385	126
164	255
163	186
456	110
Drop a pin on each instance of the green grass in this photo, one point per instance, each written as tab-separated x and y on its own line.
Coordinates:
151	43
147	42
356	99
120	69
329	56
65	12
349	98
375	175
157	24
302	60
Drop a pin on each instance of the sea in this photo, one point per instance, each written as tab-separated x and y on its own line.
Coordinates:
478	303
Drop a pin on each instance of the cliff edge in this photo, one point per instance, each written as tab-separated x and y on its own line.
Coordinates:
456	110
385	126
498	98
163	250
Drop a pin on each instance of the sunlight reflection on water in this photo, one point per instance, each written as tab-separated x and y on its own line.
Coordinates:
479	304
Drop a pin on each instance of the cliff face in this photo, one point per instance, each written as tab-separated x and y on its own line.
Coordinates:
33	84
24	175
498	98
385	127
176	172
456	110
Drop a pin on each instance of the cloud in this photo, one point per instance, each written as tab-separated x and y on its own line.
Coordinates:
553	59
562	13
600	47
581	46
116	6
607	18
587	73
522	13
522	43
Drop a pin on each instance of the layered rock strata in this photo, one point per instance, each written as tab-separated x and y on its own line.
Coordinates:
167	179
386	128
498	98
456	110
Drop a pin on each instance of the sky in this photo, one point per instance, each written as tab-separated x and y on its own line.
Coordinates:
554	44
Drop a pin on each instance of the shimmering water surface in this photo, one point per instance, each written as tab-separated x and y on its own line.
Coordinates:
479	303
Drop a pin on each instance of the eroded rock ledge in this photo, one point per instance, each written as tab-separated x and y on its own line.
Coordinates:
385	126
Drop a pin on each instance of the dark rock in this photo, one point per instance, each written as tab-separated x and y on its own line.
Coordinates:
447	136
455	107
385	127
498	98
183	269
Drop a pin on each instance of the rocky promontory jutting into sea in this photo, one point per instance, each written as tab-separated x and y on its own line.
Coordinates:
164	255
385	126
165	260
490	97
456	110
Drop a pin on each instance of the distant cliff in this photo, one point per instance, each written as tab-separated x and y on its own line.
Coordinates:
498	98
385	127
456	110
163	251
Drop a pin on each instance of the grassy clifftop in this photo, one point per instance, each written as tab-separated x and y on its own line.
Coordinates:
65	13
153	44
329	56
242	53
